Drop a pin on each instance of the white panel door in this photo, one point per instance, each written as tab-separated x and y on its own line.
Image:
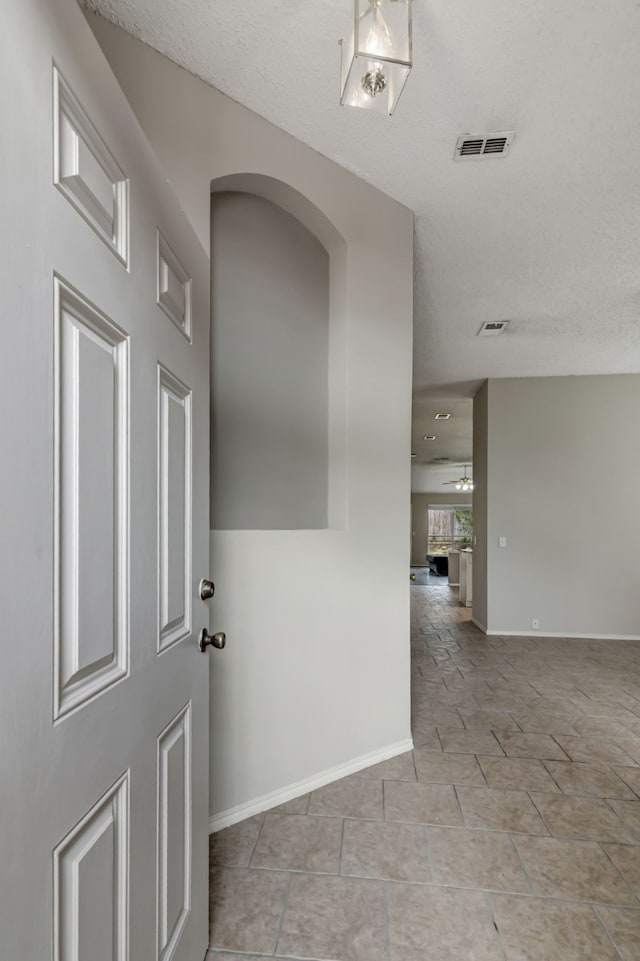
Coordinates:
104	498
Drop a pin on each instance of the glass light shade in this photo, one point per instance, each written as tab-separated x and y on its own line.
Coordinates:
376	59
458	487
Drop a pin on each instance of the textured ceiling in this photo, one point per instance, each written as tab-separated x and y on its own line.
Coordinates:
548	237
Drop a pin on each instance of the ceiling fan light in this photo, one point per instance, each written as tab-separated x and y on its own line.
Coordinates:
464	483
377	57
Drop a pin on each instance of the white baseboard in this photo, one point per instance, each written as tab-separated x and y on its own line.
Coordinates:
291	791
478	624
568	634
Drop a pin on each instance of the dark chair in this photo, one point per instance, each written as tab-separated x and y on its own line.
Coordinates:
438	564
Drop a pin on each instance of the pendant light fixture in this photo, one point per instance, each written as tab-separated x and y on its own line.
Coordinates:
376	60
465	483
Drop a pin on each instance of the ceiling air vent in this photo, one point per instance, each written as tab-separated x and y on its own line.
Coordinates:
492	327
484	145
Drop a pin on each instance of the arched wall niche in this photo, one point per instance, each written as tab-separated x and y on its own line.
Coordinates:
265	487
288	198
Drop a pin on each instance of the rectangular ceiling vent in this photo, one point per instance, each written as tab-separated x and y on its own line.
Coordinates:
484	145
492	327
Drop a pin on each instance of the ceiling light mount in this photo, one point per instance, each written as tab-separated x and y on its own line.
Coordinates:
442	416
377	58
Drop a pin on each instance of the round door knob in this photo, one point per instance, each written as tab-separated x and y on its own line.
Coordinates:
215	640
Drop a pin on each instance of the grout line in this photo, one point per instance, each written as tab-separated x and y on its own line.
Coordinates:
557	784
260	869
521	860
341	846
626	783
517	724
415	771
492	915
620	874
477	757
553	738
387	918
253	849
495	757
461	827
431	884
606	930
542	817
284	911
242	954
457	797
488	890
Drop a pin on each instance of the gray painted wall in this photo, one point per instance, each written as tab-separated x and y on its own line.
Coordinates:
269	386
314	682
563	458
480	488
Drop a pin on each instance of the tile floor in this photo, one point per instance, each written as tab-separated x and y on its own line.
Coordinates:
510	833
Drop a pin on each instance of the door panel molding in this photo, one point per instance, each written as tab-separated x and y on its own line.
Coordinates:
174	509
86	172
173	294
91	882
91	569
174	832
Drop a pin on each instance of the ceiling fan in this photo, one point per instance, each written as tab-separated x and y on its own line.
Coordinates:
463	483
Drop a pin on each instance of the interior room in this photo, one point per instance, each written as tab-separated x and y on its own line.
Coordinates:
320	448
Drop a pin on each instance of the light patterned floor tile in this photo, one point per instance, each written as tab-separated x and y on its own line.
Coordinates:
577	870
532	929
441	854
624	929
441	924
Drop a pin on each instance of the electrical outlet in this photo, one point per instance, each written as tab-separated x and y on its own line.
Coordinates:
502	542
535	624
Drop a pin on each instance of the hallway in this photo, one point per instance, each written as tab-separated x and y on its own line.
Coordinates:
510	833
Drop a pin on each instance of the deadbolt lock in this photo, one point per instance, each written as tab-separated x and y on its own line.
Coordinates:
207	589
